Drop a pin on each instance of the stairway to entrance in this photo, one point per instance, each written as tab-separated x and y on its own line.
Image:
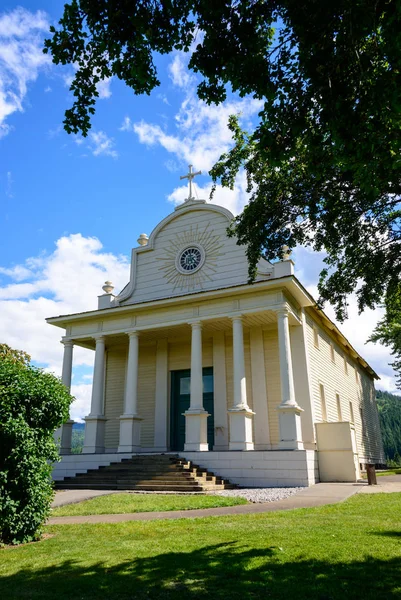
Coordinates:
148	473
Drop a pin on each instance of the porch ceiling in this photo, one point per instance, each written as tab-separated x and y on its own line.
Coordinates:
266	320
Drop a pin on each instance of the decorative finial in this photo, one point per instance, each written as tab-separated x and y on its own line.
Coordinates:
143	239
190	176
286	252
108	287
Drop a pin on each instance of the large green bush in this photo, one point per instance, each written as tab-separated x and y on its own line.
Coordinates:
32	405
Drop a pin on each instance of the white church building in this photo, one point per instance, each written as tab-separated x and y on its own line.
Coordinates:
252	381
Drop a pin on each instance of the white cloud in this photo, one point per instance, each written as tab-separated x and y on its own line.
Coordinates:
126	125
81	405
179	73
200	133
102	145
48	89
103	88
21	58
65	281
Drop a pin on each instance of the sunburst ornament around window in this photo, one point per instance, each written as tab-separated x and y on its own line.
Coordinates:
191	258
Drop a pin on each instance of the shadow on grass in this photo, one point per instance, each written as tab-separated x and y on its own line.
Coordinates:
393	534
222	571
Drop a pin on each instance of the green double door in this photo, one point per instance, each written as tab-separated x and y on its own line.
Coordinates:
180	397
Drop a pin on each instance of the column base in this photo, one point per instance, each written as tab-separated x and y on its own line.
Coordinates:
130	433
240	429
289	418
94	434
196	431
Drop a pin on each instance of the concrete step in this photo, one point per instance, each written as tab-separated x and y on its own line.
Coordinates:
148	473
133	474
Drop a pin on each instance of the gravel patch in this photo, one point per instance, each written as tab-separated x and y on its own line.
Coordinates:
261	494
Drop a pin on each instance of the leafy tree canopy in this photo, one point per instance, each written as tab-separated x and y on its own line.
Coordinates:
19	356
388	330
323	163
32	405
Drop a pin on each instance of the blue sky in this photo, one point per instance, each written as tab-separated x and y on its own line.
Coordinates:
72	208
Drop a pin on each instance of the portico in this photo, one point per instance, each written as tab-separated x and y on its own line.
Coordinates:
225	343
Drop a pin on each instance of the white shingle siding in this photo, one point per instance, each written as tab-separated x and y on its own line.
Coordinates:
357	388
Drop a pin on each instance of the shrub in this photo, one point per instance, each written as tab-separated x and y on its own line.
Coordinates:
32	405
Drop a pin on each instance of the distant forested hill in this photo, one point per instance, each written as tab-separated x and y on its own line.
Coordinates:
77	441
389	406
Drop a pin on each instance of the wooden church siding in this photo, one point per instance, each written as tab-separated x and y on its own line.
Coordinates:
179	354
273	386
228	268
114	394
369	427
336	380
147	393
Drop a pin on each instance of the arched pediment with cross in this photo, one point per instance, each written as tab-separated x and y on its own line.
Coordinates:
188	252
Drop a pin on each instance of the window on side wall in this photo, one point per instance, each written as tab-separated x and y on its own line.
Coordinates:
323	402
345	365
316	336
339	411
332	353
351	413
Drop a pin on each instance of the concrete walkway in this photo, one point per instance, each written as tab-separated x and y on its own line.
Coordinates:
74	496
317	495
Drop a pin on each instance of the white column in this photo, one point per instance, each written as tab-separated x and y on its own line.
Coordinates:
196	401
95	421
130	422
240	414
161	396
289	411
64	433
66	373
98	378
196	416
259	390
239	379
131	388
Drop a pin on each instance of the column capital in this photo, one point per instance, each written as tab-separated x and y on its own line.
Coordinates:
282	311
67	343
238	317
132	334
195	324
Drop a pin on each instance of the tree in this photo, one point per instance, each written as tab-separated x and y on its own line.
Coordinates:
32	405
388	330
389	406
323	163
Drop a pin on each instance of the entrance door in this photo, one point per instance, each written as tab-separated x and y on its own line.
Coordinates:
180	396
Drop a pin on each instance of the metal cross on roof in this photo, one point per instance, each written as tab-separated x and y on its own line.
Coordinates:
190	177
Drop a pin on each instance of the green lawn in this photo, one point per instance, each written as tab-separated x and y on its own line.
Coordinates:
130	503
345	551
384	473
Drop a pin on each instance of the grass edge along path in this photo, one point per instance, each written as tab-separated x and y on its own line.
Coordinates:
132	503
347	550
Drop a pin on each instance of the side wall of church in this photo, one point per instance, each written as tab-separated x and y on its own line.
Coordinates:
337	377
